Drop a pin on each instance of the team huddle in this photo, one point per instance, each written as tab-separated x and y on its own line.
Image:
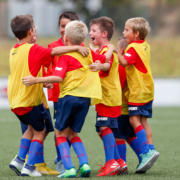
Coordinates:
118	82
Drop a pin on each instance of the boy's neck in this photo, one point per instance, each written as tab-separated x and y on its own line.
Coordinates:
25	40
103	43
70	44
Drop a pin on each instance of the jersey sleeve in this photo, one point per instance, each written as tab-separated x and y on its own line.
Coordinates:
61	67
122	76
96	56
39	56
131	56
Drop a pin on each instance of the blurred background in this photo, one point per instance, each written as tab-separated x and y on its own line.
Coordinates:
164	38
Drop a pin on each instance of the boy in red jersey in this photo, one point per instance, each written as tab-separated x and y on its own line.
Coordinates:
101	31
26	103
78	85
53	94
125	132
140	83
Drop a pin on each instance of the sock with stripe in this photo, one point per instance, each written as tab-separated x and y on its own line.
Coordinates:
23	148
34	152
65	152
141	136
151	147
40	159
79	150
121	146
58	153
108	141
134	143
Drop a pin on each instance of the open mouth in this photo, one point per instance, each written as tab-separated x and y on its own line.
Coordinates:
93	39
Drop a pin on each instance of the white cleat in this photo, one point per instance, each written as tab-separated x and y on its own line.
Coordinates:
30	171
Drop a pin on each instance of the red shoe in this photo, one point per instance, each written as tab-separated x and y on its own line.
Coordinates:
123	167
110	167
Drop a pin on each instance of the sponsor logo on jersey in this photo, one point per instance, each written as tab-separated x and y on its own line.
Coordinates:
132	108
58	69
127	54
102	118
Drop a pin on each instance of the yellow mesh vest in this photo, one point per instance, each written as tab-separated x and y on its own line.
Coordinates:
111	89
124	106
141	86
44	100
18	94
82	82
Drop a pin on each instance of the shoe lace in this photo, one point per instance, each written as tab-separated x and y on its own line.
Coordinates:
102	168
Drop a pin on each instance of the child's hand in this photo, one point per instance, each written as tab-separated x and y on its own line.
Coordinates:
113	47
48	85
29	80
96	66
92	48
84	51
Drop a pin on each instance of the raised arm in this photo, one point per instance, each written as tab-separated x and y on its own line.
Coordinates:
97	66
30	80
109	52
65	49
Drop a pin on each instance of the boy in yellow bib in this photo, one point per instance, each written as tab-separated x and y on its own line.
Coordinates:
26	102
80	88
140	83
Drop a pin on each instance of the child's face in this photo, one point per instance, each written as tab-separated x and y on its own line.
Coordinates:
95	34
62	24
129	34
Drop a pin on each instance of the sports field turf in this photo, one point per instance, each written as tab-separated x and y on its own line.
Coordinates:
166	131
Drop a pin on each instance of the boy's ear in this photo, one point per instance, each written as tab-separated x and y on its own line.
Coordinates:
104	34
65	38
136	34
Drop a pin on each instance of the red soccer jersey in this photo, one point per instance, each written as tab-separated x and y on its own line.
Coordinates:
38	56
67	63
103	110
132	57
53	93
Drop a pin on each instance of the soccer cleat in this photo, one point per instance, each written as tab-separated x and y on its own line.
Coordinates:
30	171
147	161
108	169
123	167
16	165
85	170
60	166
70	173
43	169
55	160
26	158
139	172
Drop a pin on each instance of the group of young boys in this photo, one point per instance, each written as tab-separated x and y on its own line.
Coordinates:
119	84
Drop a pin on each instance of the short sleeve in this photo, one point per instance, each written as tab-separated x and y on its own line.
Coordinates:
131	56
96	56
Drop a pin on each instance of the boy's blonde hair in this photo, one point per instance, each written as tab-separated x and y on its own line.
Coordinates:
76	31
139	24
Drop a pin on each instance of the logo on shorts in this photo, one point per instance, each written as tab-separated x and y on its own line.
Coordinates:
102	119
132	108
58	69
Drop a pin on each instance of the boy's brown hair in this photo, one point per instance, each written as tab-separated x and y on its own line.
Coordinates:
105	24
20	25
68	15
139	24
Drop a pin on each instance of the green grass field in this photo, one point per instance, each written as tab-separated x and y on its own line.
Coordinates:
165	125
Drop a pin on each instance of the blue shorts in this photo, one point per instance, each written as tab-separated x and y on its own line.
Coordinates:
71	112
55	109
124	130
144	110
35	118
48	123
102	121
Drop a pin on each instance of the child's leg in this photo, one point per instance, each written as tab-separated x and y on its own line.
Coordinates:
134	143
121	146
148	130
140	133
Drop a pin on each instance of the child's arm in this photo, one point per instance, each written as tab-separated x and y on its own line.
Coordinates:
92	48
109	52
99	66
65	49
122	60
30	80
